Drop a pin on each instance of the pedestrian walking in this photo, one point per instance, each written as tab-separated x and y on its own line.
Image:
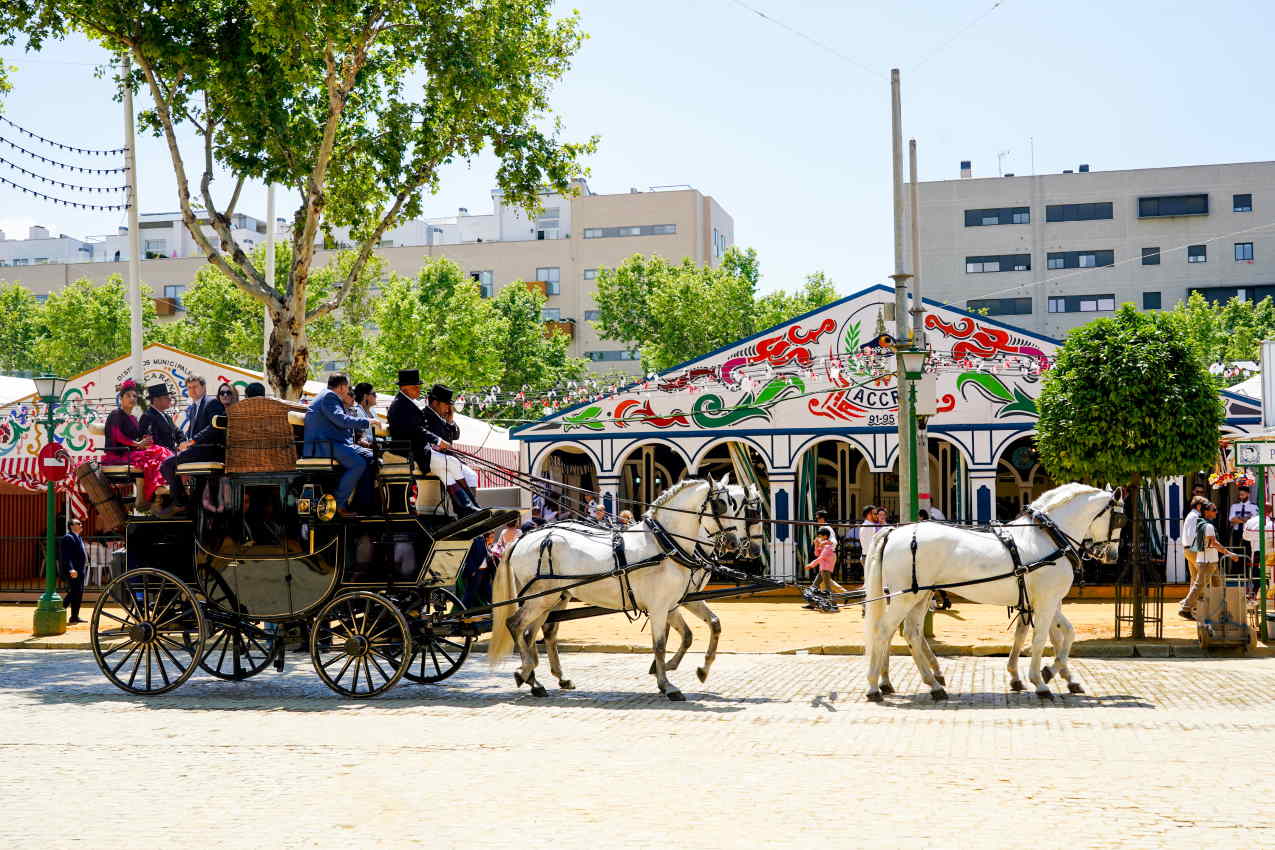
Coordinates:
825	561
1188	535
867	530
1208	553
74	565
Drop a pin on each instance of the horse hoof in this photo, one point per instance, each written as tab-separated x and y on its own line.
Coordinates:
1046	673
566	684
938	695
518	678
1016	685
676	696
539	691
1046	695
887	688
875	696
702	674
1075	688
938	677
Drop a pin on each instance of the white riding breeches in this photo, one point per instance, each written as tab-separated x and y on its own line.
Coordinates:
447	468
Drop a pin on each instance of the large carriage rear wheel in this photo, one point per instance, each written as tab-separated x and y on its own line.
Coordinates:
154	640
360	644
237	647
436	656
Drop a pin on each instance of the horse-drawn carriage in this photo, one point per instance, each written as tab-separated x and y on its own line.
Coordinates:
262	560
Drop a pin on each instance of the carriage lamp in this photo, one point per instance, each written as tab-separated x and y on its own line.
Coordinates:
911	363
913	360
50	616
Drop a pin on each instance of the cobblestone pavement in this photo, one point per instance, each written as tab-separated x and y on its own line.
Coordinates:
772	751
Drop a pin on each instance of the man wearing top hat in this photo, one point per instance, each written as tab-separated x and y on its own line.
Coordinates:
155	420
430	431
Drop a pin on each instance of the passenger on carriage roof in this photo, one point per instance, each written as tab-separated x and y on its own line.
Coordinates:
329	432
430	432
155	421
205	446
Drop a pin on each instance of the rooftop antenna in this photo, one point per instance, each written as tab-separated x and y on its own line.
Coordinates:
1000	159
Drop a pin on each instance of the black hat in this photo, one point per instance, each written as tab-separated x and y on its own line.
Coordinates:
409	377
438	392
255	390
155	391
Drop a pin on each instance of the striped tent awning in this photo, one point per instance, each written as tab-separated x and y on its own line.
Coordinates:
24	473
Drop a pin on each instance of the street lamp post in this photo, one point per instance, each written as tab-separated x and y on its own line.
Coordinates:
912	367
50	616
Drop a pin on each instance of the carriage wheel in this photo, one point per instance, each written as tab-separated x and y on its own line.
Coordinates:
360	644
237	648
435	656
157	640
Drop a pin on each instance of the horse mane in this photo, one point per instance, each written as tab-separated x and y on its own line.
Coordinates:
667	496
1059	496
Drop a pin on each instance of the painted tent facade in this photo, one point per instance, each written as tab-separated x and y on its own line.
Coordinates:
813	404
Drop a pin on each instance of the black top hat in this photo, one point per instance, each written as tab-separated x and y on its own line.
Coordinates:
438	392
155	391
409	377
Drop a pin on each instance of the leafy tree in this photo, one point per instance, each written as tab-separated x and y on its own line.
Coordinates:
437	322
674	312
354	106
348	330
221	321
1224	333
1127	399
87	325
22	327
531	358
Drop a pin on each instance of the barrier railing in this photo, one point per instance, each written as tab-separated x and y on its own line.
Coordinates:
22	563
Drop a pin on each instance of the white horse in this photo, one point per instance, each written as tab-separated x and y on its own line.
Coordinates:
1089	518
697	515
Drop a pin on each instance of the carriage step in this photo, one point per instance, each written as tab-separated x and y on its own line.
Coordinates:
475	524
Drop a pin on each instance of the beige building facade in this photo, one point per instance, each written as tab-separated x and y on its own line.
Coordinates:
1051	252
562	248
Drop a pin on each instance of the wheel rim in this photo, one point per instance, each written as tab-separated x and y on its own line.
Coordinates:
237	647
437	656
360	645
156	639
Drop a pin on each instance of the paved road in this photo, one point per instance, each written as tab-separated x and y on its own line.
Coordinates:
774	750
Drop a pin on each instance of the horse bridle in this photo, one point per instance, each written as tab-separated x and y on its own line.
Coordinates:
717	500
1115	522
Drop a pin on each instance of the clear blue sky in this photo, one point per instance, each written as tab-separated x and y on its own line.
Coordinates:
793	140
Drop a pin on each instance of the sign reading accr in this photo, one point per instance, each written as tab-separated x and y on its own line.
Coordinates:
54	462
1256	453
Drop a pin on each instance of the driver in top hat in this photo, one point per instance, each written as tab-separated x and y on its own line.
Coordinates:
430	431
155	420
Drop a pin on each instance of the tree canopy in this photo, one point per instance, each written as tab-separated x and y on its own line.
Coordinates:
1127	398
1224	333
672	312
354	107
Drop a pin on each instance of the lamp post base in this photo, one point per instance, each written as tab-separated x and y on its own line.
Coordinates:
50	617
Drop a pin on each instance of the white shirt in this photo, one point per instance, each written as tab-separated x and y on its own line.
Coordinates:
1243	510
1251	535
1189	529
936	514
1208	555
866	532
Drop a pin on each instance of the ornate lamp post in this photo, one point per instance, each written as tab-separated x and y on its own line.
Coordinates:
911	365
50	616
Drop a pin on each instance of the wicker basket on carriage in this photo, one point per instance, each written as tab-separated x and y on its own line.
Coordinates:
93	484
258	436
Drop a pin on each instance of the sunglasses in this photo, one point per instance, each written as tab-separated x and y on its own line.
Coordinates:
225	392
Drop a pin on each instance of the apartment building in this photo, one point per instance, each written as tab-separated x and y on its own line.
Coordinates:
1050	252
560	249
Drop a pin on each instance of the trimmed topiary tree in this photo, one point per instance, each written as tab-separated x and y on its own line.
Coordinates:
1127	400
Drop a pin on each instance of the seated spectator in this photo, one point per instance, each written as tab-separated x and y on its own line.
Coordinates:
329	432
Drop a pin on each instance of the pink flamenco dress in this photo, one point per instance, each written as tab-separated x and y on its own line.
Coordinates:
122	436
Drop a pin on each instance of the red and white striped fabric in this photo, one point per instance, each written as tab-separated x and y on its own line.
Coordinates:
504	457
25	473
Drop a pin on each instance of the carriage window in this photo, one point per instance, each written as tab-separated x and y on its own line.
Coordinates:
382	553
264	524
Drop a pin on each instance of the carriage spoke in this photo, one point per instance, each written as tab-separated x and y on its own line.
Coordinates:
110	633
159	662
116	668
132	677
349	659
372	658
368	627
180	666
264	651
367	673
159	615
106	613
437	667
334	659
223	639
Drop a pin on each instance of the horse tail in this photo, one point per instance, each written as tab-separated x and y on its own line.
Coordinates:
502	590
874	586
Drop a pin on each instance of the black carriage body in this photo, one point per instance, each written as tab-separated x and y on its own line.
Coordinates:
279	564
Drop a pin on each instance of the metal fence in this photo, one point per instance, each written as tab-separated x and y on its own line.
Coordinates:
22	562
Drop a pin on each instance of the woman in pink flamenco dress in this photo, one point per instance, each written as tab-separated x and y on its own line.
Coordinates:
125	443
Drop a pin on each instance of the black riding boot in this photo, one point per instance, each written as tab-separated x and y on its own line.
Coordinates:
462	502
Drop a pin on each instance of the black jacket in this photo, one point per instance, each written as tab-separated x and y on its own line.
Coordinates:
200	422
418	427
161	429
71	548
208	435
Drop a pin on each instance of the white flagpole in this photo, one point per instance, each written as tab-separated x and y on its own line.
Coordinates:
134	235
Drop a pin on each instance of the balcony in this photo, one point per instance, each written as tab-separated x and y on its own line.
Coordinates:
167	306
540	286
567	326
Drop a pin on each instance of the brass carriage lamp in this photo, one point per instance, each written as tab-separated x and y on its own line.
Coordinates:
50	616
911	364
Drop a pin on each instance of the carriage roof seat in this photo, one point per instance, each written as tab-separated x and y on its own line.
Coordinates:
199	468
318	463
259	437
119	470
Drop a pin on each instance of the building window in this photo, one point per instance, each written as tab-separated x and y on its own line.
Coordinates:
1001	306
1242	203
40	299
40	261
1002	263
634	230
21	261
154	248
485	281
719	243
1082	303
1197	254
592	315
1243	252
551	314
1150	256
611	356
1168	205
997	215
1080	259
1150	301
551	278
1078	212
590	274
175	293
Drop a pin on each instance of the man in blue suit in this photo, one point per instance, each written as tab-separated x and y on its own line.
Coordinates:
329	432
74	562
